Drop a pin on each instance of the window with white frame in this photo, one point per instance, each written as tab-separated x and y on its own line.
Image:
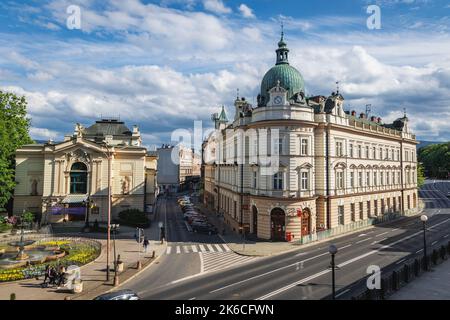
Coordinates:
280	145
341	215
352	179
304	180
255	179
339	149
351	150
367	152
359	151
388	178
278	181
375	180
374	153
360	178
382	178
304	146
340	179
368	178
381	153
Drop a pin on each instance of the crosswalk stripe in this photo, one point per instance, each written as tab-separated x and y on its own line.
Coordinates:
202	248
210	248
218	248
168	250
178	249
194	248
186	249
227	249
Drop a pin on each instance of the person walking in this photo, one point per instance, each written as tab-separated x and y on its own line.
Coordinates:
145	244
162	235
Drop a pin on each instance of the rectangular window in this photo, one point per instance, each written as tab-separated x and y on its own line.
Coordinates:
255	175
381	153
339	180
304	146
304	181
374	153
339	151
361	212
368	178
375	207
359	151
360	178
351	150
367	152
352	211
382	178
388	179
280	145
278	181
375	181
368	209
383	208
352	179
341	215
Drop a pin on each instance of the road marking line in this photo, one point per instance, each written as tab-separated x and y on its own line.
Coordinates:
178	249
219	249
434	243
447	235
227	249
186	249
400	261
379	235
202	248
349	245
269	272
341	293
395	229
419	250
169	249
194	249
192	298
210	248
360	241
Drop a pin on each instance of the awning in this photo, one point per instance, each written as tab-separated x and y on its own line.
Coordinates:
75	198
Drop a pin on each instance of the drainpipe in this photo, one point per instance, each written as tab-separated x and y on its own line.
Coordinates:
327	171
402	211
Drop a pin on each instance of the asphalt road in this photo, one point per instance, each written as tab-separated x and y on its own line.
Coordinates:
305	273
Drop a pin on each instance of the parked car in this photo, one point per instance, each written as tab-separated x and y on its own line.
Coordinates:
126	294
204	228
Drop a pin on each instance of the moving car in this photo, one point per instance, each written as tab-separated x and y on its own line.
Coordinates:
204	228
125	294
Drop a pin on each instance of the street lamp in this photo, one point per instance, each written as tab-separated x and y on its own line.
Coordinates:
333	250
424	219
114	228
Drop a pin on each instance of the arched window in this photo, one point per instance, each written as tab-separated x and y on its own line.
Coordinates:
78	178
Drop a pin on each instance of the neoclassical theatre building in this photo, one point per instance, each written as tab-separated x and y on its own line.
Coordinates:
338	170
68	181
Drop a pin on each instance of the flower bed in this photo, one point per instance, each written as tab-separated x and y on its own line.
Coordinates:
77	252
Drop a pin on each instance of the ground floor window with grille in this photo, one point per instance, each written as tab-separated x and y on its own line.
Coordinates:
369	214
352	210
375	207
341	215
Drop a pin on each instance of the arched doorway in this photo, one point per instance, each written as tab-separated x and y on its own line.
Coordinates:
306	222
278	224
255	220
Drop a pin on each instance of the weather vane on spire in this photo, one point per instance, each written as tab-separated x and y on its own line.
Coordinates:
404	112
282	30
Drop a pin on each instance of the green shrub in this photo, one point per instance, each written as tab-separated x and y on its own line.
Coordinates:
134	218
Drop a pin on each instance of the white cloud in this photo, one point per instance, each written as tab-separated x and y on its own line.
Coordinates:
246	11
216	6
43	134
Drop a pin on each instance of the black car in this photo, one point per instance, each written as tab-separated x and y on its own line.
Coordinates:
119	295
204	228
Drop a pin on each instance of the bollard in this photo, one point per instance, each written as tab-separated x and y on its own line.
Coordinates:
67	298
139	265
116	281
434	257
12	296
153	254
443	253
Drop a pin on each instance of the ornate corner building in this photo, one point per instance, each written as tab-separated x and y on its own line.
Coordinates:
69	181
336	171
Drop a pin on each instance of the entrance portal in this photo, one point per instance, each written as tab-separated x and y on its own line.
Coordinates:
255	220
278	223
306	222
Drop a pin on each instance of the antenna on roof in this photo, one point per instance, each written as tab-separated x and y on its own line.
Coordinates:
337	87
404	112
237	94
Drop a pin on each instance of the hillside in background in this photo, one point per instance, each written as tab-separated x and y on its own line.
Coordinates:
436	160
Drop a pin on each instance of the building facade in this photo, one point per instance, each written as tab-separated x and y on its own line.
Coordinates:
294	166
69	181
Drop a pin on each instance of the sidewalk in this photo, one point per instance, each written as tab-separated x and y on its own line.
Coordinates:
247	247
433	285
94	273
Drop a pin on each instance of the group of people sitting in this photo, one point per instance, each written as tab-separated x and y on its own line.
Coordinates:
54	277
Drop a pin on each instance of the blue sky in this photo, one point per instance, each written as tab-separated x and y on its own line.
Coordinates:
164	64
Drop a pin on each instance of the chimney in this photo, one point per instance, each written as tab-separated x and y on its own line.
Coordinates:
354	113
362	115
373	119
379	120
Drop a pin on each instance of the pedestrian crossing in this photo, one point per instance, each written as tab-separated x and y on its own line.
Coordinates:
215	261
198	248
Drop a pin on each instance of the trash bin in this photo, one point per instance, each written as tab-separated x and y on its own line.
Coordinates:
288	236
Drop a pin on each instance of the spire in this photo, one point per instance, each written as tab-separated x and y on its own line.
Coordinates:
223	116
282	51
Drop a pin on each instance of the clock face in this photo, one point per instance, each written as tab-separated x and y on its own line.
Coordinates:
278	100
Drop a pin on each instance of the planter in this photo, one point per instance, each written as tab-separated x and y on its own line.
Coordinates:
77	287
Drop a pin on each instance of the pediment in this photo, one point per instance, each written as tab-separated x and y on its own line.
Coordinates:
78	144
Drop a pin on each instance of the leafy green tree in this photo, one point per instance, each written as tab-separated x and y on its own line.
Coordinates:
420	175
436	160
14	128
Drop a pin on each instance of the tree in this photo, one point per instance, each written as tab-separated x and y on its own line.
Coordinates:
14	128
420	175
436	160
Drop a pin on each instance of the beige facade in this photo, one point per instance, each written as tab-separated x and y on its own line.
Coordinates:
69	180
293	166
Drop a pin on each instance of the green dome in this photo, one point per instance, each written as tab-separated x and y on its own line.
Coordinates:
290	79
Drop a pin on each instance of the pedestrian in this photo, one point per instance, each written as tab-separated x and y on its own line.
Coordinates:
47	276
162	235
61	276
146	243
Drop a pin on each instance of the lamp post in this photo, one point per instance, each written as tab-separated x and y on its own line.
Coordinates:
116	276
424	219
333	250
